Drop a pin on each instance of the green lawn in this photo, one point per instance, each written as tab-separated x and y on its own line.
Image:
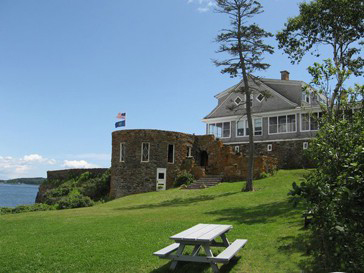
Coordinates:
120	236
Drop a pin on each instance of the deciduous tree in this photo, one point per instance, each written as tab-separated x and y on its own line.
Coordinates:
336	24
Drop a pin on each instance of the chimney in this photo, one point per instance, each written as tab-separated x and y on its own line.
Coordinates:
284	75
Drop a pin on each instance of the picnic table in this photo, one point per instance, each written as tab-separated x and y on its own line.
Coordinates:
201	236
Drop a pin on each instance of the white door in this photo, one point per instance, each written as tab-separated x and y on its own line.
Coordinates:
161	179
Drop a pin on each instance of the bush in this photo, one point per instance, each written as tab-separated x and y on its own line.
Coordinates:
26	208
52	196
74	200
183	178
334	195
97	188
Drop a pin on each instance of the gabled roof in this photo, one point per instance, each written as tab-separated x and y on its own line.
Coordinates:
278	90
292	90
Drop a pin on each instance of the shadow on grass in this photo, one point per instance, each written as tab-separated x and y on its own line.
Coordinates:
263	213
178	201
183	267
290	245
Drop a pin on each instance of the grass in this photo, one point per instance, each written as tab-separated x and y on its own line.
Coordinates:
120	236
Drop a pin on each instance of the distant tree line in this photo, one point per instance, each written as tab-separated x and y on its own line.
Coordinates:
30	181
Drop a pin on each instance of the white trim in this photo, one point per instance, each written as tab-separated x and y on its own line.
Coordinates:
219	105
309	121
296	110
258	96
172	154
245	123
237	103
270	140
305	145
237	149
121	150
142	150
233	88
189	151
222	129
269	147
226	91
279	133
261	119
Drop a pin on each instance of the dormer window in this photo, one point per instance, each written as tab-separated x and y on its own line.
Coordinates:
306	97
238	100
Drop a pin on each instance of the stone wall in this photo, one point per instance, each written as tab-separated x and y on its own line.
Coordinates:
132	175
71	173
290	154
209	156
63	175
222	160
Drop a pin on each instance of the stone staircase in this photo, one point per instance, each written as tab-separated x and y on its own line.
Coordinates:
205	182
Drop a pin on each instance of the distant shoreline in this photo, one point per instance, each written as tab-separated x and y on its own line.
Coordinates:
27	181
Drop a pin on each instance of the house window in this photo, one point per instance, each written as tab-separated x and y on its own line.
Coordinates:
258	127
310	121
145	152
273	125
237	100
269	147
260	97
122	152
306	97
237	149
305	122
189	151
282	124
170	154
242	127
219	129
305	145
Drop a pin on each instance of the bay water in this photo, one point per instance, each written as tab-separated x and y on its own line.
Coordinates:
12	195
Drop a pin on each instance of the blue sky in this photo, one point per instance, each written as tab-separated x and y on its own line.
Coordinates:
68	67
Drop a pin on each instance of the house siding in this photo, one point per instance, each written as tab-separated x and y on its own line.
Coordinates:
285	98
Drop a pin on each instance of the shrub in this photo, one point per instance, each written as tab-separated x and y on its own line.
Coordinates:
74	200
97	188
183	178
334	195
26	208
52	196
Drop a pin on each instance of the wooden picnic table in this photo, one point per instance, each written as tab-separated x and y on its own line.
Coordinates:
201	236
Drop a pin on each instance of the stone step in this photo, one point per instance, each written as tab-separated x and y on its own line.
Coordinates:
210	180
206	181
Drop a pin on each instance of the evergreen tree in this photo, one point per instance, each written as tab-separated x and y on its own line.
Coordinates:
244	42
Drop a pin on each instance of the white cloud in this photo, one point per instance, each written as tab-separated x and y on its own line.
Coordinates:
204	5
11	167
91	156
33	157
38	158
78	164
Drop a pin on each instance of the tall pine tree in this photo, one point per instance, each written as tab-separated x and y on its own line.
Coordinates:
244	42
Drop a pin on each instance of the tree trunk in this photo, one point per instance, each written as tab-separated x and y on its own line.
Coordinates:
249	179
250	171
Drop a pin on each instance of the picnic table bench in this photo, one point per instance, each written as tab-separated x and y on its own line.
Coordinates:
201	236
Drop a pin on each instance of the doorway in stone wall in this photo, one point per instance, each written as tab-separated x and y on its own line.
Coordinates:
204	159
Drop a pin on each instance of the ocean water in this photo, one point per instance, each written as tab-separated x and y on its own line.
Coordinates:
12	195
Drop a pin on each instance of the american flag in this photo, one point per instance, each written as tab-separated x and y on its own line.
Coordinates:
121	116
